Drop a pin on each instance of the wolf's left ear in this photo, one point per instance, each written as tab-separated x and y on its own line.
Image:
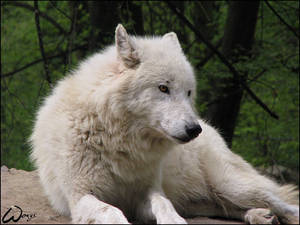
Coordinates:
172	37
127	50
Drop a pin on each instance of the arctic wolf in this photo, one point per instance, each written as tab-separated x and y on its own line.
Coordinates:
118	140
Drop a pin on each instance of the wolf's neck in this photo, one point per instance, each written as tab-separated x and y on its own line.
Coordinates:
129	146
128	137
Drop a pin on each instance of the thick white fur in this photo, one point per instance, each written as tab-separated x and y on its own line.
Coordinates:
104	144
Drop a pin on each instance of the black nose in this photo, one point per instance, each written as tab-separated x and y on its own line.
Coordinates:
193	130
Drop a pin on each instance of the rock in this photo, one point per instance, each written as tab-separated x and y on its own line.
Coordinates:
21	190
4	169
280	173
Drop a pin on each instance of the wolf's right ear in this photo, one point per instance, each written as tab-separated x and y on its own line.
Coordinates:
126	48
172	37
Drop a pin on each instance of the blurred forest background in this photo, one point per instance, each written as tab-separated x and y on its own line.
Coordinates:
245	55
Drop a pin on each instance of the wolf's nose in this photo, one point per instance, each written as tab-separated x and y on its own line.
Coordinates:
193	130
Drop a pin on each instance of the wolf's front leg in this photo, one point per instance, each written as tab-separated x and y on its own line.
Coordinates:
162	209
90	210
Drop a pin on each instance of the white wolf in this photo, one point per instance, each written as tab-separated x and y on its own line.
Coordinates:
116	142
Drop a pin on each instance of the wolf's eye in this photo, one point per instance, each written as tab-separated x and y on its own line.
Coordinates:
164	89
189	93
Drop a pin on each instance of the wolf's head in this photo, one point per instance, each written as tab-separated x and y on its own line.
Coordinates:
162	90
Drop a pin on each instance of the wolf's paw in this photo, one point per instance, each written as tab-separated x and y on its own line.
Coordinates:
90	210
102	216
260	216
171	219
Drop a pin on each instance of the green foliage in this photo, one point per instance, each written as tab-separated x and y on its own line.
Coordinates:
259	138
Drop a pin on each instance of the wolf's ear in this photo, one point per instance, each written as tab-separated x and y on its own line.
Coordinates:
172	37
126	48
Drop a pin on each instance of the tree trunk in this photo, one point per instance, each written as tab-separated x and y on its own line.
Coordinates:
238	40
137	18
203	14
104	19
105	16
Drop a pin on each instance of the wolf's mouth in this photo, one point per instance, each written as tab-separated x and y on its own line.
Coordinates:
177	139
182	140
